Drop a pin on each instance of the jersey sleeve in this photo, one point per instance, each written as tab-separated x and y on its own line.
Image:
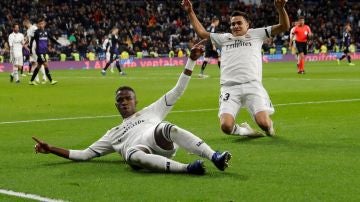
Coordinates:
104	45
22	39
261	33
159	108
35	38
52	39
218	39
11	40
292	33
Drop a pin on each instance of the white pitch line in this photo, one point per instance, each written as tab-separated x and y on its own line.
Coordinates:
319	102
176	76
29	196
313	79
179	111
59	119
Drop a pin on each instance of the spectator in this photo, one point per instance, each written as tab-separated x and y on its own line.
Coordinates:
164	26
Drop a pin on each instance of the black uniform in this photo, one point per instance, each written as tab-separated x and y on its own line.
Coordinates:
209	51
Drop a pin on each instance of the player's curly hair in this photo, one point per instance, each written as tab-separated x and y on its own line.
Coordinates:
121	88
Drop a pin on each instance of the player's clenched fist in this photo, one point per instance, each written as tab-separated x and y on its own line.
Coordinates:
187	5
280	3
198	50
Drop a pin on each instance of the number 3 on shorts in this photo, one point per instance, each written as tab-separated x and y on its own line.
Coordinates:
224	97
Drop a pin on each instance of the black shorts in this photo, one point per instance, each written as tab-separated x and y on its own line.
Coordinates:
211	54
301	47
41	58
113	56
346	50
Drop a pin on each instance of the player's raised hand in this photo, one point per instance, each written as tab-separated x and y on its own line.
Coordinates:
279	4
198	50
41	146
187	5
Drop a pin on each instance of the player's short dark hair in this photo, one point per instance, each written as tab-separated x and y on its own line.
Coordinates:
214	19
121	88
240	13
40	19
15	24
301	18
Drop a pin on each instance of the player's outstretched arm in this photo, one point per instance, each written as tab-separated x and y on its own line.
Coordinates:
284	22
76	155
45	148
199	29
196	52
173	95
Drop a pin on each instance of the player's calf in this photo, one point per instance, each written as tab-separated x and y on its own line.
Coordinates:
265	123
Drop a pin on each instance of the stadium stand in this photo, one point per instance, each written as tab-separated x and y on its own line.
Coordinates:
159	27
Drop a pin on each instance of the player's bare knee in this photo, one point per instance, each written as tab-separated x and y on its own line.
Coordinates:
227	128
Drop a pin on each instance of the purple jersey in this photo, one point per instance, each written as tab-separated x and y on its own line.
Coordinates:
26	52
42	38
346	39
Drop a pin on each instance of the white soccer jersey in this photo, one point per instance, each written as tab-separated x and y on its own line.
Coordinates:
132	130
106	45
30	32
16	41
241	59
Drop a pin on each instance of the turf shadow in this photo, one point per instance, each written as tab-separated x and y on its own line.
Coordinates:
119	162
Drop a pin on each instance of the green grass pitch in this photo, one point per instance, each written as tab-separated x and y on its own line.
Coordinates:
314	157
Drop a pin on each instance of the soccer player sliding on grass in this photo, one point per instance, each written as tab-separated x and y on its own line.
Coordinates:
143	139
241	69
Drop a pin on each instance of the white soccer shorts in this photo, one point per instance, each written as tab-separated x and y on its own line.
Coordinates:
107	56
33	58
146	140
18	61
251	95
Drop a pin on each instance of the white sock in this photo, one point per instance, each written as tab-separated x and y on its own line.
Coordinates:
242	131
189	141
156	162
271	131
16	74
42	69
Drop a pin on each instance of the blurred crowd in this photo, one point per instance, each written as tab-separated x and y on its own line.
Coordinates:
161	28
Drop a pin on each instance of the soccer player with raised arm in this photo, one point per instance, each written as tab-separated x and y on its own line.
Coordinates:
302	34
16	43
346	41
41	38
241	69
143	139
